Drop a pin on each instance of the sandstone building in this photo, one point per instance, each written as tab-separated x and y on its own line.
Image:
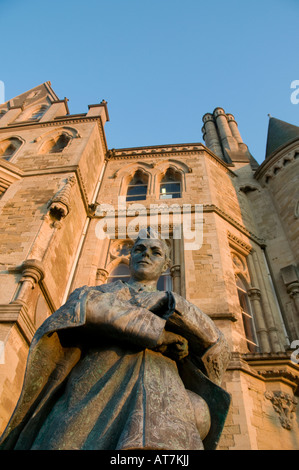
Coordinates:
56	174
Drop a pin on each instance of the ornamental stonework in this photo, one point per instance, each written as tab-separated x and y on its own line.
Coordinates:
285	405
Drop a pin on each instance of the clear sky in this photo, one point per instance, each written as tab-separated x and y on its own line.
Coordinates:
160	64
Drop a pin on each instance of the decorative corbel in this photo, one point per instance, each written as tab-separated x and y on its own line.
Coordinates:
110	154
254	293
285	405
60	205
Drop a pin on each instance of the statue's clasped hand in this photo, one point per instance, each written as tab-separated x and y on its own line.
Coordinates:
172	345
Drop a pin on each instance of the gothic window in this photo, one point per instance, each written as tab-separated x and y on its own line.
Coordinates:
164	282
170	185
120	273
137	187
32	113
56	145
247	317
8	147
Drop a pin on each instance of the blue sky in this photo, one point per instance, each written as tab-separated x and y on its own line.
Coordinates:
160	64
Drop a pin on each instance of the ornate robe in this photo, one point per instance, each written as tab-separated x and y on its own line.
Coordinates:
106	386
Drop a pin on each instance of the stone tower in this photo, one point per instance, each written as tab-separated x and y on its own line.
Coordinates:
62	187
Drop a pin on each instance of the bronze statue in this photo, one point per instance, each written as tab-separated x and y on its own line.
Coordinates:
123	366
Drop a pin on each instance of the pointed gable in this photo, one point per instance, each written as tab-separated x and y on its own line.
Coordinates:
42	93
279	133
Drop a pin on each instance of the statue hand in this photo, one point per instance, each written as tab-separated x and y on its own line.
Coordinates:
172	345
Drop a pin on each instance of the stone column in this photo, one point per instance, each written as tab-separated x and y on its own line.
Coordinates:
175	270
255	297
267	308
293	291
32	273
291	281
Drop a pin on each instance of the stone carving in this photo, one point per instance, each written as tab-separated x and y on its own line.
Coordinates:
102	275
124	366
175	270
59	205
285	405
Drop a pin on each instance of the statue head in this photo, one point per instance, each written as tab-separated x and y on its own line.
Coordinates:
150	256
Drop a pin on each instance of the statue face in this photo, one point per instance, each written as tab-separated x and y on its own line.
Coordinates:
148	259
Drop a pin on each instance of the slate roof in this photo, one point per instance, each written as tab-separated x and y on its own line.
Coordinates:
279	133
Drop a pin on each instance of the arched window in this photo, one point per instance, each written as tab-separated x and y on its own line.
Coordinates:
247	317
120	273
137	188
56	144
8	147
170	186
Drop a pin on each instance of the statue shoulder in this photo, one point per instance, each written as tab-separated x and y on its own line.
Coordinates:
111	287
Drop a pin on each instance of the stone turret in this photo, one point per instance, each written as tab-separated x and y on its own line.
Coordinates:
211	136
280	133
222	136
